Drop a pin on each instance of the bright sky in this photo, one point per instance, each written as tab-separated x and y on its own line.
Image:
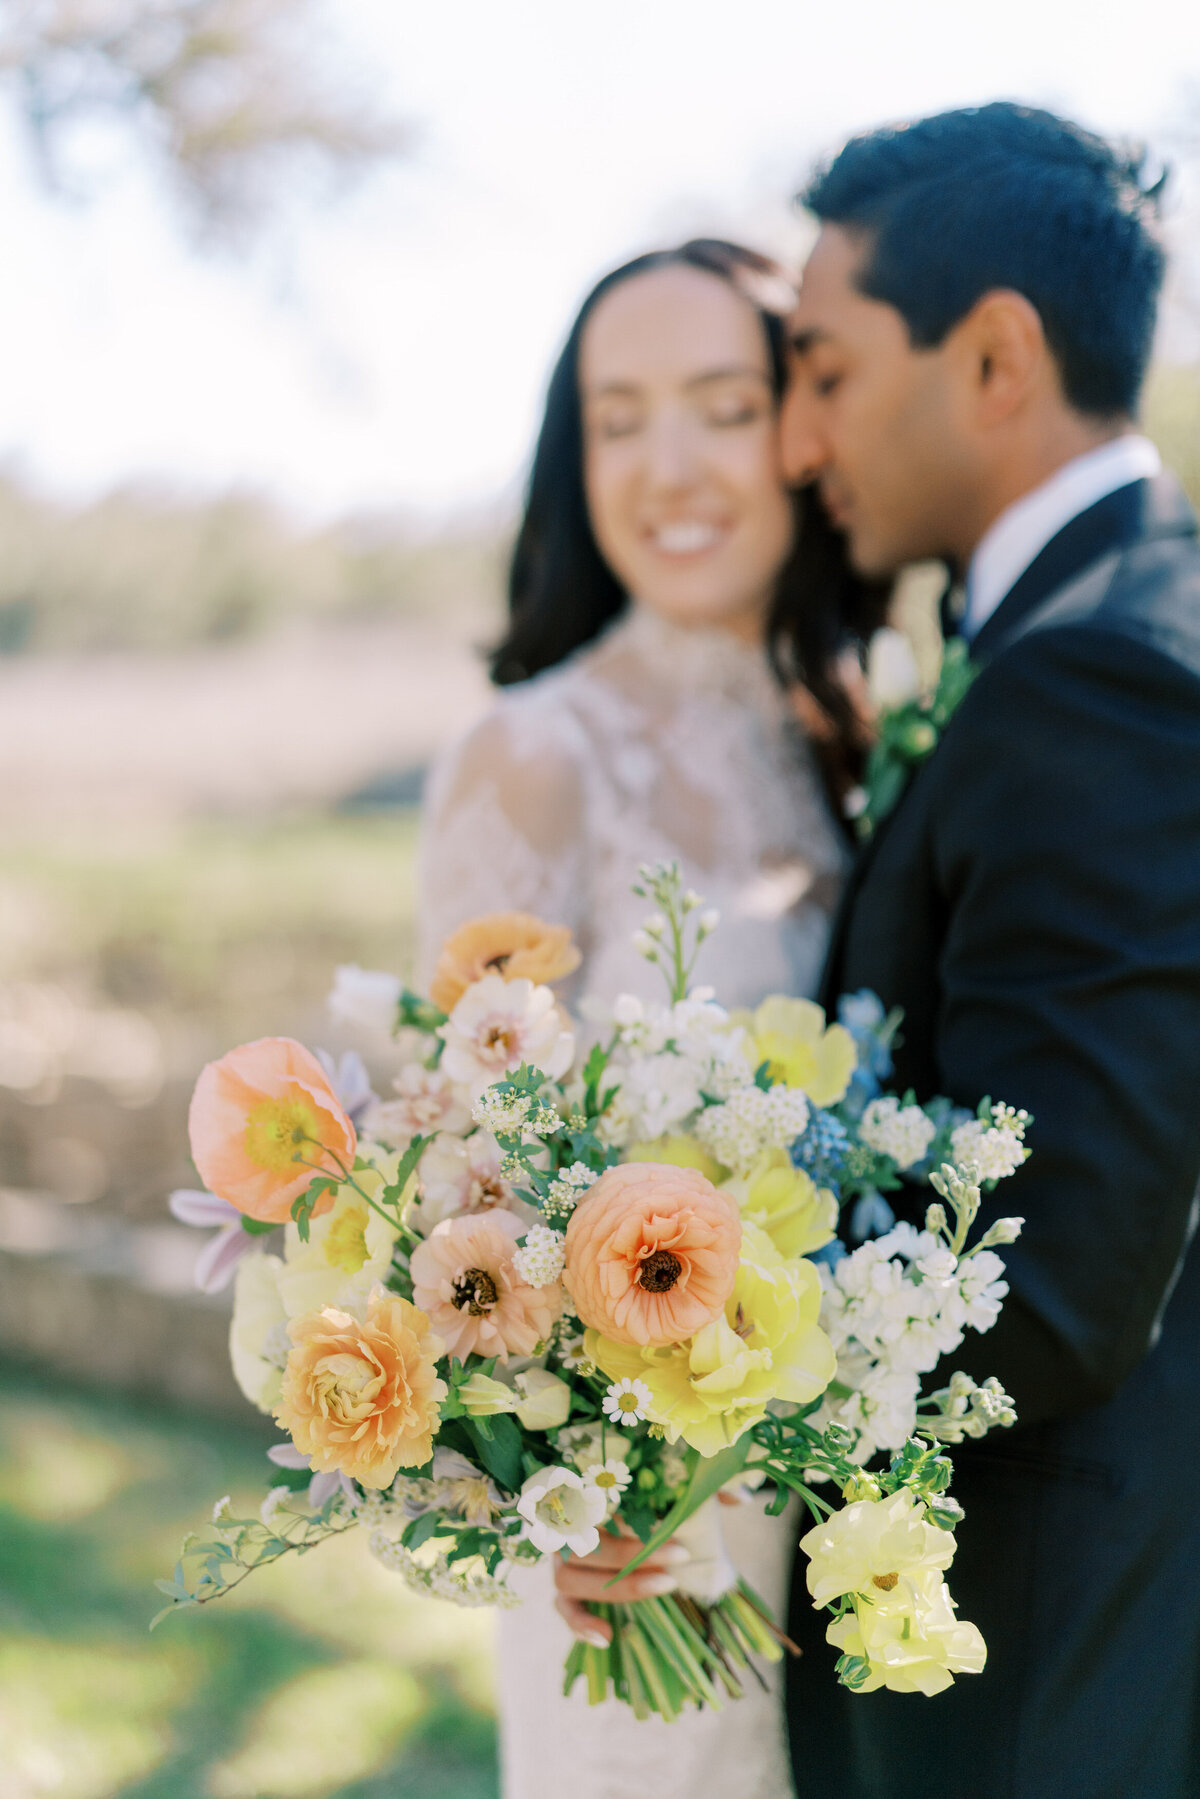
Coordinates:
394	354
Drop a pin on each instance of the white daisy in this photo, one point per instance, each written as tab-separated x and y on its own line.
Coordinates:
627	1401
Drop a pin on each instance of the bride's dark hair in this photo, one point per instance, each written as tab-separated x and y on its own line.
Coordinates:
561	592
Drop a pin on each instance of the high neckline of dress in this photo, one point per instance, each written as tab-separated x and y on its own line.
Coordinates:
698	658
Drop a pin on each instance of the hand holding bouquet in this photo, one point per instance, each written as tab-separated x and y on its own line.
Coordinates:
573	1277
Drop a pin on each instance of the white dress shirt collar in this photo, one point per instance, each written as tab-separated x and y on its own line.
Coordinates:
1024	529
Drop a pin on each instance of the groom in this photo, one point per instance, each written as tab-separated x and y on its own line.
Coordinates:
971	339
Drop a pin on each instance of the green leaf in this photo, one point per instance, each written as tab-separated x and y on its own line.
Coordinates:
420	1530
394	1191
500	1450
707	1473
170	1587
256	1227
640	1519
411	1009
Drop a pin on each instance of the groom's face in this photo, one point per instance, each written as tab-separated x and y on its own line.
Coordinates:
881	426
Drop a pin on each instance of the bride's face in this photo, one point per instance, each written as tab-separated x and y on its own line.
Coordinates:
681	449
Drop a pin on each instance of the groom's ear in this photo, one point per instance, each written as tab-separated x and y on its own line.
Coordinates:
1003	355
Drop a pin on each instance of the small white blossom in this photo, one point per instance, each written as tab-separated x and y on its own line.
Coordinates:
466	1584
503	1114
272	1504
750	1121
902	1132
220	1509
567	1189
609	1478
996	1151
539	1261
627	1401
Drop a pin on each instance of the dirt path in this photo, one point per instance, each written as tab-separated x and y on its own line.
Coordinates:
295	719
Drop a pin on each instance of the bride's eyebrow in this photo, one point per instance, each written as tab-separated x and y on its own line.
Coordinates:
736	372
804	341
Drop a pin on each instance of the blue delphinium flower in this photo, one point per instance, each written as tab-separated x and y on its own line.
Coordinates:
821	1151
873	1030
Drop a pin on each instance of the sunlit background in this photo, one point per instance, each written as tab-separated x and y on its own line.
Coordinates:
279	286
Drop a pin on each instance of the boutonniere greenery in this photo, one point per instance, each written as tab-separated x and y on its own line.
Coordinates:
909	734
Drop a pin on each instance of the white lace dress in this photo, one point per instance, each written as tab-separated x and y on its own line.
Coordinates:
656	741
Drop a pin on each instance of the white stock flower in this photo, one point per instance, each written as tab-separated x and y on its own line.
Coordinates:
561	1511
497	1025
365	997
902	1132
995	1150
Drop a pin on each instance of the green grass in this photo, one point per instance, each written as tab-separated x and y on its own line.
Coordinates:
223	922
320	1678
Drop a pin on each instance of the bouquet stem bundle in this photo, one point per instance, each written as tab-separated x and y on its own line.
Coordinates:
672	1652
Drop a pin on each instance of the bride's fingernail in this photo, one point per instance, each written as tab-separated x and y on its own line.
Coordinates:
673	1556
655	1585
595	1638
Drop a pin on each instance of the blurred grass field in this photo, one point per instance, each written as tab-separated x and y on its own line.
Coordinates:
317	1680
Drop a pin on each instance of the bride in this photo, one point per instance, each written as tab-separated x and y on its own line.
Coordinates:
666	593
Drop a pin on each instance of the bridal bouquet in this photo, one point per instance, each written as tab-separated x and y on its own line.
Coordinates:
577	1276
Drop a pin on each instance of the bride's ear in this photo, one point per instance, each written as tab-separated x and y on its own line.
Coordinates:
1004	352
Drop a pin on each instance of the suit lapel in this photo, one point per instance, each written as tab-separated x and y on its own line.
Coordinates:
1141	510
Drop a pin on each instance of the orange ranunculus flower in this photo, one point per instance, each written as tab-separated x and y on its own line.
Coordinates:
652	1253
465	1278
513	944
253	1114
362	1398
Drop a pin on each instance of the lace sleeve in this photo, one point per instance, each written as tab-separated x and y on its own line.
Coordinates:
504	825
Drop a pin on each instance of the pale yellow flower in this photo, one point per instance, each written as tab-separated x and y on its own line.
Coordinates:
348	1252
800	1050
867	1545
680	1152
909	1636
765	1345
785	1202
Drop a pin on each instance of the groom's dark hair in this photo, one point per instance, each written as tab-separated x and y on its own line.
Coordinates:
1008	196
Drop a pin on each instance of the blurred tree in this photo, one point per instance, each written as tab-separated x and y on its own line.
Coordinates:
233	100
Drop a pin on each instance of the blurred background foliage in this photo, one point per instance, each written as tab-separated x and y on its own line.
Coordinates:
233	103
144	570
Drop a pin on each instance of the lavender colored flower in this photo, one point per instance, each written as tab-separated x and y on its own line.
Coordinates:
219	1258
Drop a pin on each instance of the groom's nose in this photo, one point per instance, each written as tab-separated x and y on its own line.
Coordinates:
802	448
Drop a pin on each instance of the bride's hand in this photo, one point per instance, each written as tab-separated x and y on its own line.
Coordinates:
584	1579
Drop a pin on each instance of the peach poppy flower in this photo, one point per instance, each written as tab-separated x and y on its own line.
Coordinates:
463	1276
513	944
254	1113
361	1397
652	1253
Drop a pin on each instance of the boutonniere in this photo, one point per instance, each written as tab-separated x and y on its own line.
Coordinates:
909	734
